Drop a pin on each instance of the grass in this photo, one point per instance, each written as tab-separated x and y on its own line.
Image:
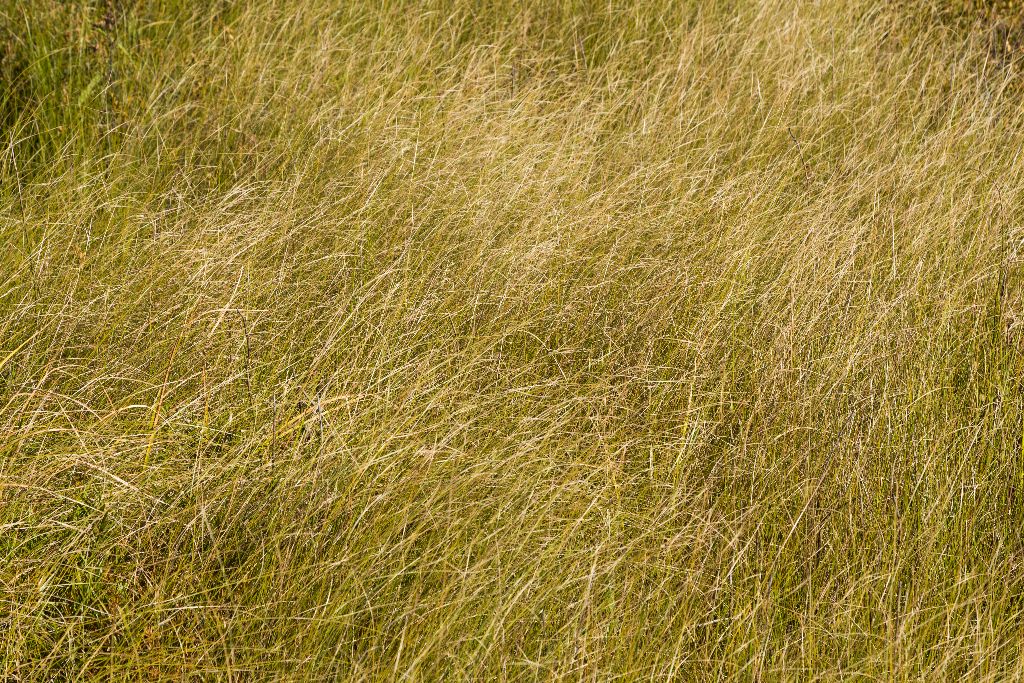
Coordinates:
510	341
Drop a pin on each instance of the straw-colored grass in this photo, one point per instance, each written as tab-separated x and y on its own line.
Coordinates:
484	340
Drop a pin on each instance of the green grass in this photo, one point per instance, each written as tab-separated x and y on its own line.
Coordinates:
509	341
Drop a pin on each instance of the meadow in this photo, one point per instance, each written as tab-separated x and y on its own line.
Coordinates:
486	340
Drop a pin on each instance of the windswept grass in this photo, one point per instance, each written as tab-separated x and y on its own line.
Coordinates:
487	341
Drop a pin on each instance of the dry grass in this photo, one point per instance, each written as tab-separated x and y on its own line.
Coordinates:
486	340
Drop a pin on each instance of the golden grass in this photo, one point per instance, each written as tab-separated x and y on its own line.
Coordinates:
485	340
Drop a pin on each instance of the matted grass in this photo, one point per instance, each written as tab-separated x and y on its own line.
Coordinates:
485	340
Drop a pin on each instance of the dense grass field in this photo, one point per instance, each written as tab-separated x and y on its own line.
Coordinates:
484	340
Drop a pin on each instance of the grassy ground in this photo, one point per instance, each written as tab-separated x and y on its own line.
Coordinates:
480	340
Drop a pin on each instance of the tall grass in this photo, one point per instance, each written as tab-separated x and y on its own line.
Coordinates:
484	340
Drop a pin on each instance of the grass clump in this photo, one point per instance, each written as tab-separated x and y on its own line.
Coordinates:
662	340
